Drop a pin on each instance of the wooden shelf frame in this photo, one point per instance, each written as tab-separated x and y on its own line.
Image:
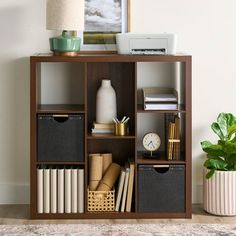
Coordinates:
92	64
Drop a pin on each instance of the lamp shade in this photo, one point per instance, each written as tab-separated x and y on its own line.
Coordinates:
65	15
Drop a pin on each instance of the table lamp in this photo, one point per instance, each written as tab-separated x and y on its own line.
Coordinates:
68	16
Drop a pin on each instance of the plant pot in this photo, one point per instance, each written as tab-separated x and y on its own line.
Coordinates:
220	193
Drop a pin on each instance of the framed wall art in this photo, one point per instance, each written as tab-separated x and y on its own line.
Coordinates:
103	20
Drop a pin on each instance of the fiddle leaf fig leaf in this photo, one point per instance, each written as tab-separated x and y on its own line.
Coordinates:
216	128
229	148
216	164
225	121
232	161
212	149
210	173
231	131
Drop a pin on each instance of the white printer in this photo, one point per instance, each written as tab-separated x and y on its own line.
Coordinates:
146	44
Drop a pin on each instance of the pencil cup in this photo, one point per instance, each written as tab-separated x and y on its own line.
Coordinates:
121	129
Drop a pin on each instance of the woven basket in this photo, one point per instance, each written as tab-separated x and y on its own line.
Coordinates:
101	200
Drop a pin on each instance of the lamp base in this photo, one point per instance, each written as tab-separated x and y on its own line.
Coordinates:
65	44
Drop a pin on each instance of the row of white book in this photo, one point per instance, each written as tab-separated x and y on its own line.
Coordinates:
60	190
125	188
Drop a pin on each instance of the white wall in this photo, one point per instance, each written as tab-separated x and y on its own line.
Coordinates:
206	30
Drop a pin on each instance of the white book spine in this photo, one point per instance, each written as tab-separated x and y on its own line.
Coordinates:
74	190
125	190
80	190
67	190
53	190
120	189
46	190
60	191
40	190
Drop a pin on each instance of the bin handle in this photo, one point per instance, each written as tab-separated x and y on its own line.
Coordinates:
60	115
161	166
101	195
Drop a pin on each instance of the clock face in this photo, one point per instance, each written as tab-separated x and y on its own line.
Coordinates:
151	141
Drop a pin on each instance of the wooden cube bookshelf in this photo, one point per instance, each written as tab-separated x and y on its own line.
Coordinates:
122	71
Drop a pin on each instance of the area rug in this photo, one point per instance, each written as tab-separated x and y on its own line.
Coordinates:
119	229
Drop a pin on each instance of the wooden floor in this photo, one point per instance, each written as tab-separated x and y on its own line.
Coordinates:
19	214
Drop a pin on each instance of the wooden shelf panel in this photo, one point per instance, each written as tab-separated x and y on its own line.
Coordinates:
109	136
181	109
61	108
60	163
95	57
111	215
160	160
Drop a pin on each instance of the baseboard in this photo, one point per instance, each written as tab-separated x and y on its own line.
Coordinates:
14	193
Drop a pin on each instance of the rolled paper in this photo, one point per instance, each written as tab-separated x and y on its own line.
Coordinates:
109	178
95	173
107	160
92	154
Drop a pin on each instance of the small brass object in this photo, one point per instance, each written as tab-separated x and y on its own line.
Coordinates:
121	129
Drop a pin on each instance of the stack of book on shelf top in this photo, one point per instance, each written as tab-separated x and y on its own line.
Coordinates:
99	128
173	149
125	188
157	98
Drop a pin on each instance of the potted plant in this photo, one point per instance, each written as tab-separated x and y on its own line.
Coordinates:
220	178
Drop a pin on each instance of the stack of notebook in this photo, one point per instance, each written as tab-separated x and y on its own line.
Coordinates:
156	98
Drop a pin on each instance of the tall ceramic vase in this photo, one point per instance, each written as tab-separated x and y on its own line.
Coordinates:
106	107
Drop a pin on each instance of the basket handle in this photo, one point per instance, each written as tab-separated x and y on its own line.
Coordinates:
101	195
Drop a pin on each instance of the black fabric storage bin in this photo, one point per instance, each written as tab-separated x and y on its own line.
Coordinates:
60	138
161	189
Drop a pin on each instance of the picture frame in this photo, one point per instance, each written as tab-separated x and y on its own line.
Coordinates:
102	32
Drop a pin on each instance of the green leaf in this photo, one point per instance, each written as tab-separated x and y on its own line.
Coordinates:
212	149
232	162
210	174
216	128
231	131
206	144
225	121
215	164
229	148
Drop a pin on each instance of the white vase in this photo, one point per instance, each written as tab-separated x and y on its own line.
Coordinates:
220	193
106	103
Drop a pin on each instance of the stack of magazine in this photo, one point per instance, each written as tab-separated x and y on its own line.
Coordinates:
157	98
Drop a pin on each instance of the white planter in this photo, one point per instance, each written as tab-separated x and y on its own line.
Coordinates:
106	103
220	193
